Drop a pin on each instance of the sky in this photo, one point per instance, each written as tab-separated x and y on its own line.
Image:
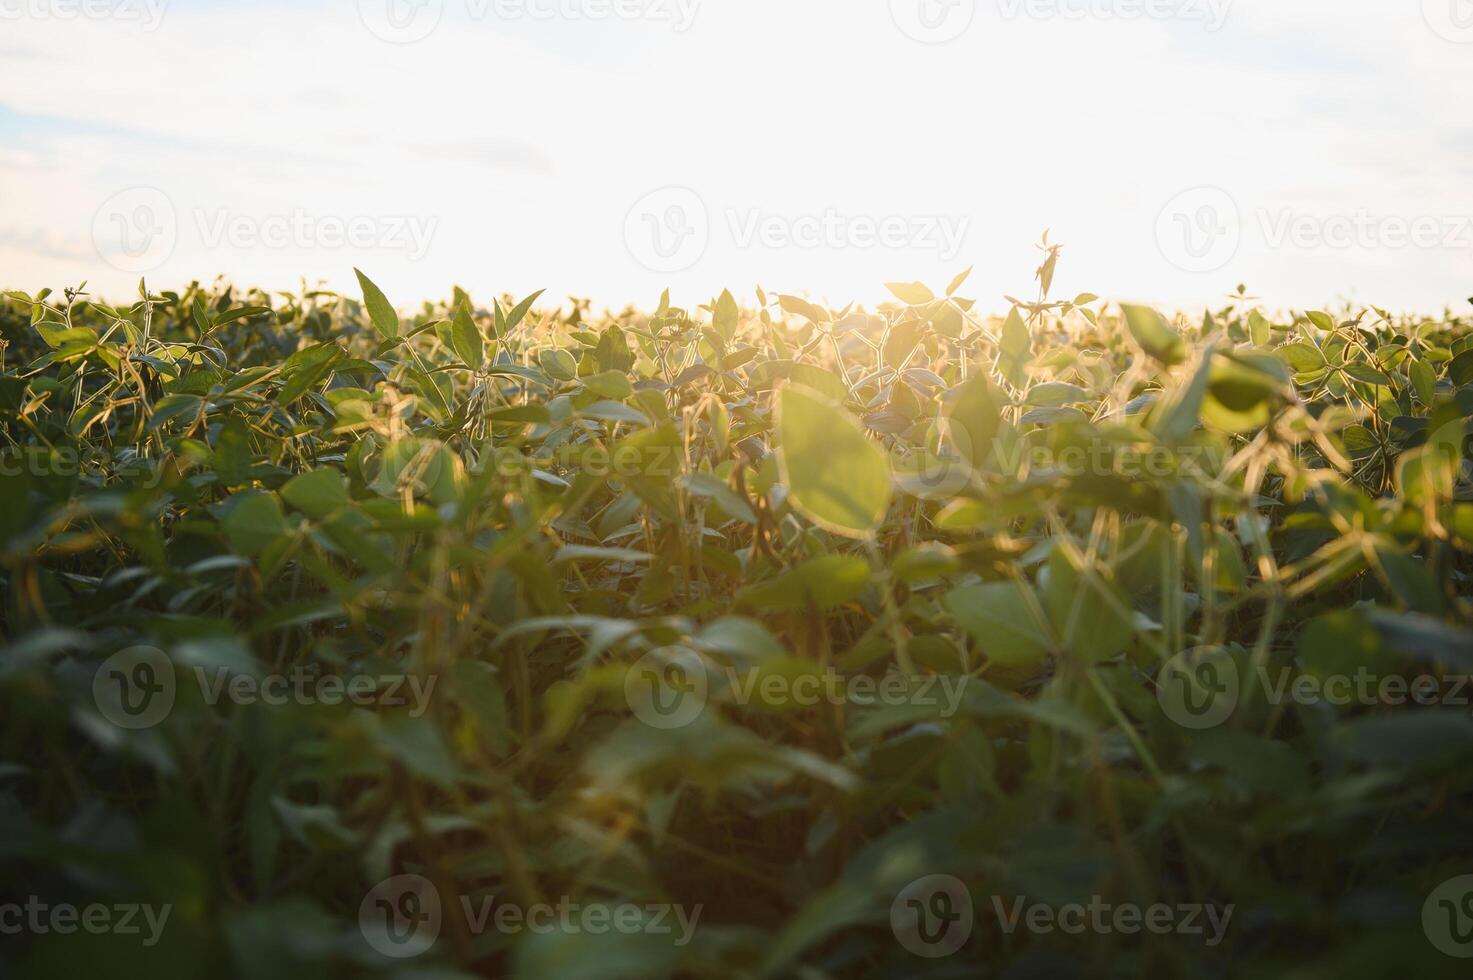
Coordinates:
1314	150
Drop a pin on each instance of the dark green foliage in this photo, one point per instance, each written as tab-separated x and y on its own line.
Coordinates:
503	520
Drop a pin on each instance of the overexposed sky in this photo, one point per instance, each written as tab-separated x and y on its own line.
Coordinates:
1314	149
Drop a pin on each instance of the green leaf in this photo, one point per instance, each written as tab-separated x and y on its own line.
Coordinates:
821	380
380	311
1176	416
254	522
1303	358
1154	334
726	316
517	314
1461	368
467	337
706	485
1322	320
558	364
1000	617
803	308
317	493
925	562
1092	619
1368	374
973	419
232	458
741	639
1015	349
306	368
424	467
613	351
1261	330
1424	381
836	476
609	411
825	582
911	293
610	384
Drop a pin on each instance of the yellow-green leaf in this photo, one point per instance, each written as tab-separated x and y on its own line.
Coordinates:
837	477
